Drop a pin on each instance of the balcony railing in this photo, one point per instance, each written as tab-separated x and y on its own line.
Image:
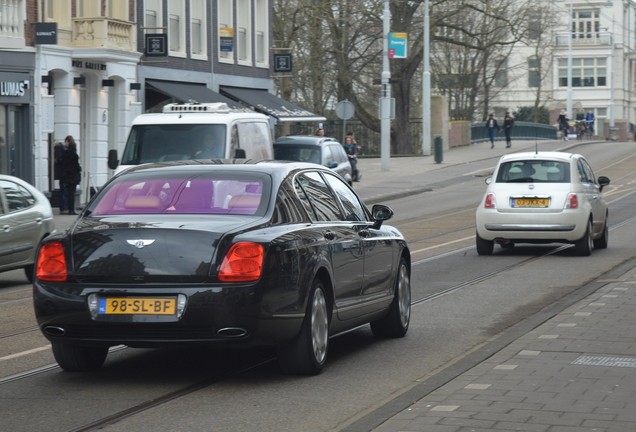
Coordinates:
584	39
11	24
102	32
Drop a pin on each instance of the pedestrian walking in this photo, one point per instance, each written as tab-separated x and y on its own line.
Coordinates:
508	123
70	176
581	129
351	148
563	124
493	127
589	120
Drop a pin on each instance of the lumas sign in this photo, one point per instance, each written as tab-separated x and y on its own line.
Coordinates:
13	88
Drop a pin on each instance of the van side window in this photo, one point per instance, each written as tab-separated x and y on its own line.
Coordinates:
254	139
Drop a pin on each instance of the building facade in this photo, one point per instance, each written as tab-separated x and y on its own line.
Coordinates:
596	41
16	92
87	68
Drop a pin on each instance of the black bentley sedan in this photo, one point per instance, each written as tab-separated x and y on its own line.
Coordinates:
254	253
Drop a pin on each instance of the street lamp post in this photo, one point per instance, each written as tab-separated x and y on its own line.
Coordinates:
426	87
613	74
569	91
385	100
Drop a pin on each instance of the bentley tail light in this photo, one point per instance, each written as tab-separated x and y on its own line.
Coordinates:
243	263
51	265
572	201
490	201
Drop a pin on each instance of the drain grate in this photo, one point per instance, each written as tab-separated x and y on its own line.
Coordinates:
605	361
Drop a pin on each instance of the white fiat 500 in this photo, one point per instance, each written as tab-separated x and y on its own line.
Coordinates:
543	197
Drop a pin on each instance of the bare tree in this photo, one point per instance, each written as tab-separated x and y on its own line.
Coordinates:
471	51
542	23
338	48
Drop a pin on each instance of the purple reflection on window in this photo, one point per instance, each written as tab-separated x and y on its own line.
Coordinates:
181	196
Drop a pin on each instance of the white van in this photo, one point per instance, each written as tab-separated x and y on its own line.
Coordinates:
195	131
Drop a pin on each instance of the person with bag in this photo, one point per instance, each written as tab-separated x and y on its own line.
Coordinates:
70	176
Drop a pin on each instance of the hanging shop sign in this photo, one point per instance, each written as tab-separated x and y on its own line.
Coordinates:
156	45
282	63
45	33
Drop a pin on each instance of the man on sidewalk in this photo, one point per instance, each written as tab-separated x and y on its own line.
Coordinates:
507	124
493	127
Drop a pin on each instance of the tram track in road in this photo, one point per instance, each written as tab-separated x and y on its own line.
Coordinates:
18	332
168	397
15	301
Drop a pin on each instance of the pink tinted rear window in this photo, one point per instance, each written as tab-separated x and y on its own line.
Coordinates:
181	196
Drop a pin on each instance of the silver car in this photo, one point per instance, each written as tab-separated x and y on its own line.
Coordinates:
26	218
543	197
319	150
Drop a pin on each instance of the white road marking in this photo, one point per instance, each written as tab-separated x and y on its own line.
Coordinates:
443	244
24	353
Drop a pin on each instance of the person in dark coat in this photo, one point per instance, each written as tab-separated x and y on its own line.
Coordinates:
564	124
508	123
351	148
493	127
70	176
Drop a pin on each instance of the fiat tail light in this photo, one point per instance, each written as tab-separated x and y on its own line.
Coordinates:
572	201
490	201
51	265
243	263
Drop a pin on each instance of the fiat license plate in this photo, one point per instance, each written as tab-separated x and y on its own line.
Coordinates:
529	202
137	306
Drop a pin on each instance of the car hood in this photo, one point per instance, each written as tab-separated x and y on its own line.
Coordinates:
120	250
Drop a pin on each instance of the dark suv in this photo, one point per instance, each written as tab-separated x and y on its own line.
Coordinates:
319	150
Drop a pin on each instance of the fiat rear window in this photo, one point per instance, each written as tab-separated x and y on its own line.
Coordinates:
534	171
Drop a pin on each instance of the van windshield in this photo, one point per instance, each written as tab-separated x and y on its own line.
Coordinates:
169	142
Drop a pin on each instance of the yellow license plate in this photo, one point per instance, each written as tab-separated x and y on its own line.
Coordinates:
530	202
137	306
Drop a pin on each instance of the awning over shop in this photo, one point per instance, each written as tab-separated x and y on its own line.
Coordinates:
267	103
190	92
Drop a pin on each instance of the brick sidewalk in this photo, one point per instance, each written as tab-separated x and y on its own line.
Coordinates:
574	373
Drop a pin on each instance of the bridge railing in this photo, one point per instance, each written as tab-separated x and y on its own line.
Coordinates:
520	131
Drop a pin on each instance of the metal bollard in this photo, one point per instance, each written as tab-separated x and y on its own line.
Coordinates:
439	149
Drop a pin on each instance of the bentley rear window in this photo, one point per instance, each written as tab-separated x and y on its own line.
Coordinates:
226	195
